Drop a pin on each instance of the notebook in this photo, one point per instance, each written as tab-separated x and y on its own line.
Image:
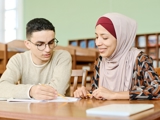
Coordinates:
119	109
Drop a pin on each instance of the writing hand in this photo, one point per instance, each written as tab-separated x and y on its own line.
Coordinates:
43	92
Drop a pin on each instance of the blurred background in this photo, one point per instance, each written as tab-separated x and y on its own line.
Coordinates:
74	19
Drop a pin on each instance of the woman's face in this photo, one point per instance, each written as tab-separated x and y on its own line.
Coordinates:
105	41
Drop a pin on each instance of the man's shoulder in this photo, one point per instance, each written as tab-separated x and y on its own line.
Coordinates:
61	54
20	55
55	52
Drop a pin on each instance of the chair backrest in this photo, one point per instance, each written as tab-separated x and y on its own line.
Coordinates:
75	75
3	57
17	46
83	51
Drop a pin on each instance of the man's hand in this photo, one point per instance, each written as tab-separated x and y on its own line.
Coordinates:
43	92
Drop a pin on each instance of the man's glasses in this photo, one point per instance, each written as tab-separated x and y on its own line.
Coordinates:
41	46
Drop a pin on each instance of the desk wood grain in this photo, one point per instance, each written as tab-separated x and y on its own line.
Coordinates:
71	111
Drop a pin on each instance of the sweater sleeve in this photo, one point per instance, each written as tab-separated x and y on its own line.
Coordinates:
62	72
145	81
9	79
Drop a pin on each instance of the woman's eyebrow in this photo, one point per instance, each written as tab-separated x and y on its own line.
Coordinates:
102	34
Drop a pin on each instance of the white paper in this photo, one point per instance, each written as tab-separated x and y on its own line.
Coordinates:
58	99
119	109
3	99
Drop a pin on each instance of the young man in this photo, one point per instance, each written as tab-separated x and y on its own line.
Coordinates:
42	72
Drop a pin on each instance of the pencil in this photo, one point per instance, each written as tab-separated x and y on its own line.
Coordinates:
57	94
89	94
62	96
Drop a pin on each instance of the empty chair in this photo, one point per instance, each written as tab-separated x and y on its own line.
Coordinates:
77	77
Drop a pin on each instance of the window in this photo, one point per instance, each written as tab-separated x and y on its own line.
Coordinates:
11	21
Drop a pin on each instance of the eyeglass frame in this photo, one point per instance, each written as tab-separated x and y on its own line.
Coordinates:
55	41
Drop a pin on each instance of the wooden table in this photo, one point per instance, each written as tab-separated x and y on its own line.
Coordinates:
70	111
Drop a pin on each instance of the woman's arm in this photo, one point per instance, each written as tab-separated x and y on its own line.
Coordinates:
104	93
145	82
122	95
101	92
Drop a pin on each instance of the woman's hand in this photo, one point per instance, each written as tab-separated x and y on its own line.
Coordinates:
103	93
81	92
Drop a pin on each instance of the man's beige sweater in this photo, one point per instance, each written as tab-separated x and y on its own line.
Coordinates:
55	73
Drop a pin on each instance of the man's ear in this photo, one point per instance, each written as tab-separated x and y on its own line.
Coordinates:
27	44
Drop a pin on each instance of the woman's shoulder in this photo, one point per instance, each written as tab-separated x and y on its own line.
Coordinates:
144	56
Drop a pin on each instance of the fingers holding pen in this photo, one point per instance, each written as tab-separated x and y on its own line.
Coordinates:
43	92
48	89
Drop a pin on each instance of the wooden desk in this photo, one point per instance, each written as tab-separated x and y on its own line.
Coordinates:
70	111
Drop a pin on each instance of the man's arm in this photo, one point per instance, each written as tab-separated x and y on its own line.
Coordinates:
9	79
62	73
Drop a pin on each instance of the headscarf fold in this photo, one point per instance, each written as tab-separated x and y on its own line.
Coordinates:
116	71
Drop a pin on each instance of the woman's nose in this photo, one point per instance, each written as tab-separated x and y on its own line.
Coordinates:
98	42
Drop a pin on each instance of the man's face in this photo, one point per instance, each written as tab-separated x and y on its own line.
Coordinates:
37	42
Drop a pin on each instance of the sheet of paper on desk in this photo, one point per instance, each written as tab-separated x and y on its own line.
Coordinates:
58	99
3	99
119	109
65	99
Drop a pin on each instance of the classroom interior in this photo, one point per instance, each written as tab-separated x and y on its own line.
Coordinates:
74	22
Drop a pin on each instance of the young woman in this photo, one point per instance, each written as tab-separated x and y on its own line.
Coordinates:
121	71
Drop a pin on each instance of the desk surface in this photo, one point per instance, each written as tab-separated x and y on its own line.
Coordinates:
70	111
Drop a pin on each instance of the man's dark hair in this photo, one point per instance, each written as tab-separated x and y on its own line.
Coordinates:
38	24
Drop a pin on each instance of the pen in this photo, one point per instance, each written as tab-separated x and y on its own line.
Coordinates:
57	94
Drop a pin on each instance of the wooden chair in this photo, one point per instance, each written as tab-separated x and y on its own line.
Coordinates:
82	75
9	49
3	57
15	46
